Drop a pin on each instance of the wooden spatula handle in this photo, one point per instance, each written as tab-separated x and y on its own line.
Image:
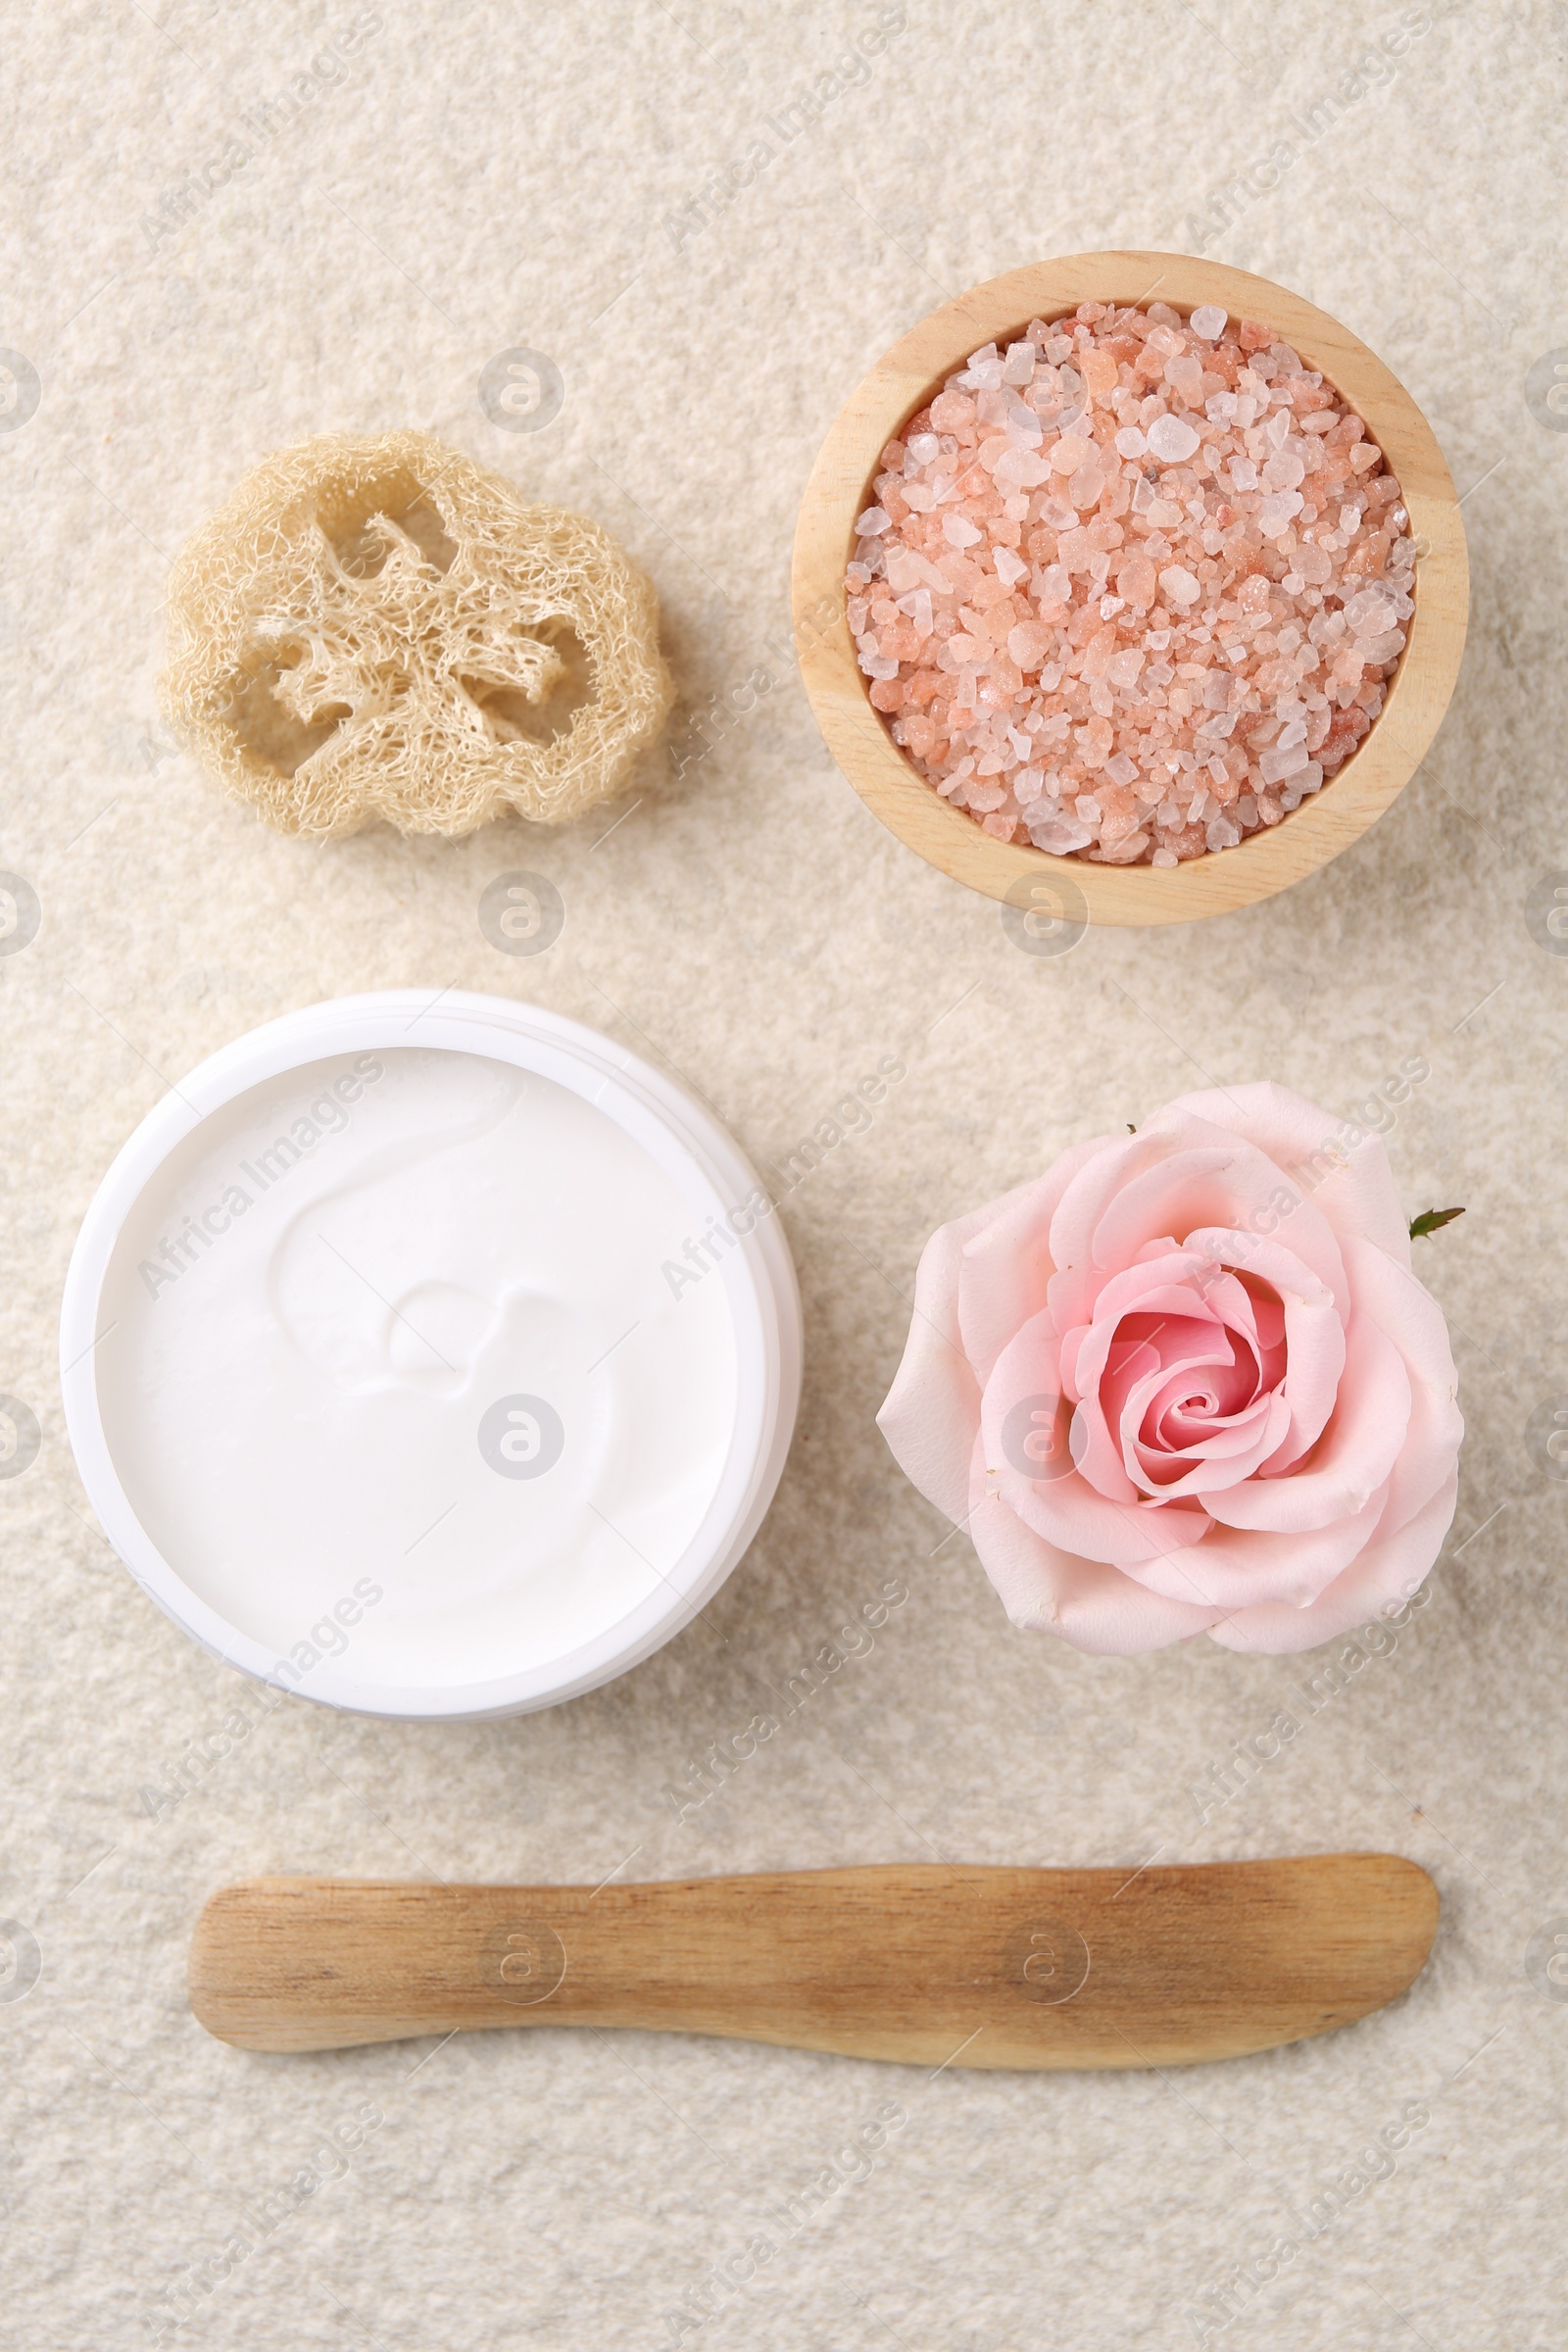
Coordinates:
923	1963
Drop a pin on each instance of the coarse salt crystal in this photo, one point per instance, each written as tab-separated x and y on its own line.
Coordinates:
1173	440
874	523
1086	485
958	532
1010	567
1022	469
1208	321
1131	442
1284	471
1284	760
1179	585
1369	610
1186	376
918	608
1276	512
1059	836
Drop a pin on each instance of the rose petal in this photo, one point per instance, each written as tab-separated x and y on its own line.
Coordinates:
1386	1572
1246	1570
1133	1385
1065	1509
1315	1336
1080	1275
1162	1285
1006	1263
1093	1607
1030	1367
931	1415
1256	1314
1214	1181
1412	1319
1168	1367
1349	1182
1102	1456
1229	1448
1314	1342
1354	1455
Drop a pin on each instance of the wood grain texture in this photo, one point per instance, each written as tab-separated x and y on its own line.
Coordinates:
924	1963
839	489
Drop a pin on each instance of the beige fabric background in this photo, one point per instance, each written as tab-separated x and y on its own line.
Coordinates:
481	177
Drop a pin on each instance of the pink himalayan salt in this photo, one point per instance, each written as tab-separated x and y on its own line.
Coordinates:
1132	587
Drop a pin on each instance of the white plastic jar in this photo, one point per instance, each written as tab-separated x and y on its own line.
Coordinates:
432	1359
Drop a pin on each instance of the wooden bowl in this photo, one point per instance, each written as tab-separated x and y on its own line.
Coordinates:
839	490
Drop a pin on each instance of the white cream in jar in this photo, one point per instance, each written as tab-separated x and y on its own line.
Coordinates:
402	1372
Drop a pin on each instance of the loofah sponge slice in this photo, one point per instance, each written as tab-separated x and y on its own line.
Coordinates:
379	628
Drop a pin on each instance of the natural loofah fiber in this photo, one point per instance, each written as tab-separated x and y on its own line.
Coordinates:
377	627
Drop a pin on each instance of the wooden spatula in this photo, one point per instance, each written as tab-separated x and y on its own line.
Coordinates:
929	1964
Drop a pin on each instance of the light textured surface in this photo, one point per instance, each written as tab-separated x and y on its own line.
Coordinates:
492	179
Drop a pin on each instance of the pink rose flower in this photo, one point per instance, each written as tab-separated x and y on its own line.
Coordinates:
1187	1382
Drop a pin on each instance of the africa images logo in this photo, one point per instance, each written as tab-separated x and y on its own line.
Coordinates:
326	1116
521	1437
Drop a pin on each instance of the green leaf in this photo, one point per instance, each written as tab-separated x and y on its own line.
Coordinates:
1431	1220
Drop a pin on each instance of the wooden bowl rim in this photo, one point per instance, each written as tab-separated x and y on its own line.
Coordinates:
948	838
